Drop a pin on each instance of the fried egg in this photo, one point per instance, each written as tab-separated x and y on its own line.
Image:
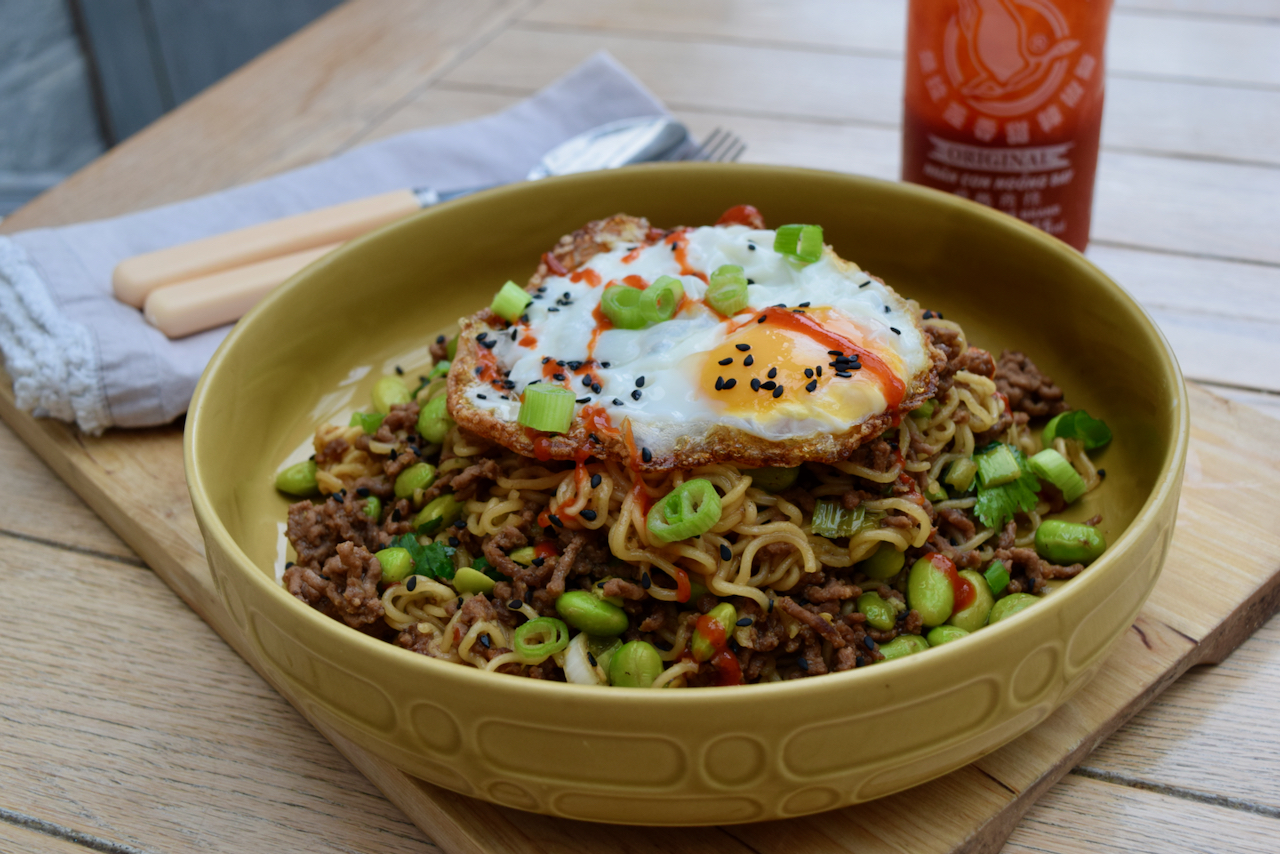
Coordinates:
822	354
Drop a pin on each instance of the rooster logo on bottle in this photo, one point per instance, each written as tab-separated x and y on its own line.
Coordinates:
1007	57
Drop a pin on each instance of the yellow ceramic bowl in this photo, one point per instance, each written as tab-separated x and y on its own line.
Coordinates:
311	351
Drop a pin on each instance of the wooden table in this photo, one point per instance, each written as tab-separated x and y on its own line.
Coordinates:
128	725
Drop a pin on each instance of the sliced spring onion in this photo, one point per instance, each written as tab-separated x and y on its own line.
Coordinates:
997	466
451	349
960	474
547	407
727	289
539	639
439	369
924	411
660	300
997	577
621	304
934	492
773	479
369	422
831	519
687	511
1053	467
802	242
1078	424
577	664
510	302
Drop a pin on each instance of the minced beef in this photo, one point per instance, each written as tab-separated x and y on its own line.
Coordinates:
1028	571
345	588
1028	389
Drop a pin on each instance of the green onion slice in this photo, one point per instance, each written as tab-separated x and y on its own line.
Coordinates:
1078	424
547	407
802	242
621	304
1053	467
540	638
727	290
997	466
961	473
660	300
369	422
687	511
831	519
997	577
924	411
510	302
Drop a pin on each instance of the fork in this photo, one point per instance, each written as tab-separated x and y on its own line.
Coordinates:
720	146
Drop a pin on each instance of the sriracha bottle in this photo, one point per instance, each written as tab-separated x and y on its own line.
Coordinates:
1003	105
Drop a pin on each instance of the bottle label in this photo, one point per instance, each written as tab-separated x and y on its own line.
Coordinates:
1000	93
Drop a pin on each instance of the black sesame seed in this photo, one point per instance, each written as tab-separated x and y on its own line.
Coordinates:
589	515
749	361
560	363
726	553
582	400
362	491
617	402
773	372
546	359
515	333
479	370
440	339
646	455
804	304
636	395
802	664
399	371
743	347
808	372
489	345
760	319
558	377
728	361
593	437
460	524
868	642
482	397
288	564
553	308
455	542
604	364
811	386
768	386
1102	473
639	382
312	458
719	383
538	561
928	315
755	384
481	336
395	515
844	374
895	330
675	246
485	642
734	645
770	608
528	597
662	645
859	662
751	247
574	365
886	309
745	621
596	388
781	305
777	392
514	605
591	658
586	380
537	296
818	369
555	520
645	581
411	583
730	383
524	318
595	480
864	284
751	281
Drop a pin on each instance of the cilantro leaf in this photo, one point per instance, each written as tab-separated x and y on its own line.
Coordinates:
482	564
998	504
434	560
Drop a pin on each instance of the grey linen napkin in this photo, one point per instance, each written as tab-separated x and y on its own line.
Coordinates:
77	354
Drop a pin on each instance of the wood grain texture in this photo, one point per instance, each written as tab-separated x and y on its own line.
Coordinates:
1089	815
17	837
159	736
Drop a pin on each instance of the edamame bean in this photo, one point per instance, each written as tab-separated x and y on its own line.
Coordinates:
879	613
1069	542
445	507
1010	605
434	422
773	479
416	476
389	391
903	645
588	614
885	562
974	615
939	635
396	564
696	591
299	479
929	590
373	507
471	580
636	665
704	647
524	555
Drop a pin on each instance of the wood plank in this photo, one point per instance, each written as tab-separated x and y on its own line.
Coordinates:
373	55
36	505
1268	403
17	837
162	738
1210	735
1089	815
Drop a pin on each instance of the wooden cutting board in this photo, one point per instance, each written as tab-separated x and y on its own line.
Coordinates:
1221	581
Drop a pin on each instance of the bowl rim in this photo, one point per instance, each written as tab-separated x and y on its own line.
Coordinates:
1168	480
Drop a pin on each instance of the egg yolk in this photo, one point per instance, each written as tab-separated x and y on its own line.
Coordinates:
768	371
